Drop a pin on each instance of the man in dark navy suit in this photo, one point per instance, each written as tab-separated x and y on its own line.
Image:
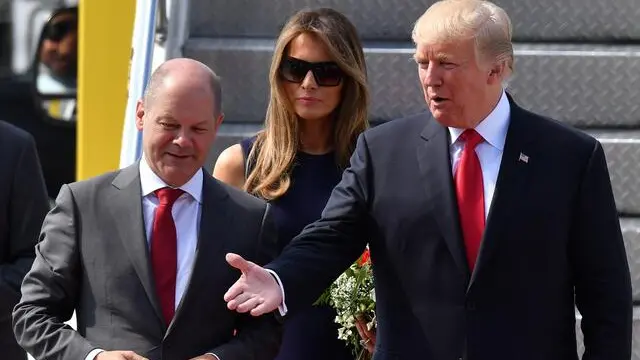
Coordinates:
23	205
486	223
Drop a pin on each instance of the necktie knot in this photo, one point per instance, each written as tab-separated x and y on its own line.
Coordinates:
167	196
471	139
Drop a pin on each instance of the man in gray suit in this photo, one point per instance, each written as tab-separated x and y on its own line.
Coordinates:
139	253
23	205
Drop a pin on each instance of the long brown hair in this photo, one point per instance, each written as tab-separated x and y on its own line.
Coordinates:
275	147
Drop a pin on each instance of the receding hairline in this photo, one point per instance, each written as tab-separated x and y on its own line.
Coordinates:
195	69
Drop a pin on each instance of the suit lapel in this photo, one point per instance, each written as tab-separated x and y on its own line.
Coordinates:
434	161
126	208
213	236
512	178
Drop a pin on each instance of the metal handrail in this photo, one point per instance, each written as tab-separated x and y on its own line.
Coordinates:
162	22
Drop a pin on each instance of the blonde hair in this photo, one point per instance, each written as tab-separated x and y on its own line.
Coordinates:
275	148
450	20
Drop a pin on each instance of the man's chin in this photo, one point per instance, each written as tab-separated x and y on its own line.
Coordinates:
176	175
443	117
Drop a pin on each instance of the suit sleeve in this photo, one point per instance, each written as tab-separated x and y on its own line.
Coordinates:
257	338
602	280
28	205
50	288
327	247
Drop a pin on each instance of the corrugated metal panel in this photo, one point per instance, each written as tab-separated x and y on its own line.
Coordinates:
594	86
593	20
622	149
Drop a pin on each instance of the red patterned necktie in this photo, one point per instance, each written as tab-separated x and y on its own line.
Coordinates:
164	251
470	193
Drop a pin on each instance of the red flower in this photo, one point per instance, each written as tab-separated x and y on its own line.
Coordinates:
364	258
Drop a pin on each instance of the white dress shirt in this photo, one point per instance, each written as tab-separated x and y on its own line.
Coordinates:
186	213
493	130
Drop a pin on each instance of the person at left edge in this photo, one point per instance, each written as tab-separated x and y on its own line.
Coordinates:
23	205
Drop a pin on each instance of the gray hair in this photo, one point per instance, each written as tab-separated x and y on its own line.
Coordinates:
488	24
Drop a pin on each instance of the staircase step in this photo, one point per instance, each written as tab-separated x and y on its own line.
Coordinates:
622	149
583	85
229	134
532	20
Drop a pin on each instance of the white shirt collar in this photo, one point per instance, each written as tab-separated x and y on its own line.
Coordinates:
150	182
494	127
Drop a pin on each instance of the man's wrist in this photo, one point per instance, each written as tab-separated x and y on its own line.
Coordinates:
213	356
93	354
282	308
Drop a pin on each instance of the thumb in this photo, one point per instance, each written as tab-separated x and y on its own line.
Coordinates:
130	355
238	262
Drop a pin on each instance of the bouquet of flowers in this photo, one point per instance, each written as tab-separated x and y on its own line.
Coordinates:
352	296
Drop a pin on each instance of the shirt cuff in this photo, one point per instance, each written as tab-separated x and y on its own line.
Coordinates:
214	355
92	355
282	308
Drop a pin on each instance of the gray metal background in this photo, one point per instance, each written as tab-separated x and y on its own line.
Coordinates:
622	149
587	86
631	234
533	20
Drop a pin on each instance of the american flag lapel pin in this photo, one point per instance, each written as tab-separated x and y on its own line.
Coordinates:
524	158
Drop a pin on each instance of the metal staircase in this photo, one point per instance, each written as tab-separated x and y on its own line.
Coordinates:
576	60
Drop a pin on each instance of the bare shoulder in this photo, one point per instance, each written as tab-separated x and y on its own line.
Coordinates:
229	167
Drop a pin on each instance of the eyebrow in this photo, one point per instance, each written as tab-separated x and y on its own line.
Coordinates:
442	57
165	118
201	123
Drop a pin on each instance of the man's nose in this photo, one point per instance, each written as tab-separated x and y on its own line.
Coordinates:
183	138
433	76
309	81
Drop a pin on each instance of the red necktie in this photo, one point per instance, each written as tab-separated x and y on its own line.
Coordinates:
164	251
470	193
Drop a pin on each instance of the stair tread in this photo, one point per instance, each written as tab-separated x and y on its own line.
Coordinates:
582	85
594	20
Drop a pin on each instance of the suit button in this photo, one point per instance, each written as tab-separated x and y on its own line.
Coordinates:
471	306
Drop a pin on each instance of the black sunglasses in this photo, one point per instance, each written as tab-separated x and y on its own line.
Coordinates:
57	31
326	73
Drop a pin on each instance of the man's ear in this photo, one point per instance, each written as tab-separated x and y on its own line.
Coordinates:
139	115
497	72
219	120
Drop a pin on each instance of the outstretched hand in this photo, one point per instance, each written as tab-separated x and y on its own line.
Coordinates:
256	291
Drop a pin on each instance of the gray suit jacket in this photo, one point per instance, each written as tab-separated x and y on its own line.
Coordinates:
23	205
93	257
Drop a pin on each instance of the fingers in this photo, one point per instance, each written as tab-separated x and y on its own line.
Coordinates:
239	287
249	304
238	262
263	308
234	291
130	355
368	338
361	332
238	300
371	346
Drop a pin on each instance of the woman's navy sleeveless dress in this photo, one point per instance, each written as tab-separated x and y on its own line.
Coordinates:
312	333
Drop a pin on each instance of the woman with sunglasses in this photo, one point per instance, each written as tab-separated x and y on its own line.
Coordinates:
317	108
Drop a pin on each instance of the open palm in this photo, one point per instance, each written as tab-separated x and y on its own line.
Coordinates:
256	291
